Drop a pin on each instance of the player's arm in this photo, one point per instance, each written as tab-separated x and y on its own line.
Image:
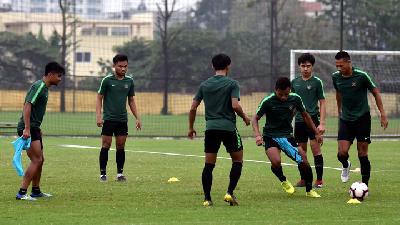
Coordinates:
378	100
322	113
132	106
239	111
307	119
256	129
99	106
27	120
192	118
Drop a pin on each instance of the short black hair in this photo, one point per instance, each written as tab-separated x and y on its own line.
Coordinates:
306	57
283	83
342	55
54	67
120	58
221	61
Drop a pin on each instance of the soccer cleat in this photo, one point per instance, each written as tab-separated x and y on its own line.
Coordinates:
318	184
301	183
103	178
207	203
345	173
231	199
288	187
121	178
313	194
41	195
24	197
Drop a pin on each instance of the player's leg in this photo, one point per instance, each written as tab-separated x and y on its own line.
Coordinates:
234	147
300	134
35	155
318	162
106	140
363	140
346	135
121	133
212	142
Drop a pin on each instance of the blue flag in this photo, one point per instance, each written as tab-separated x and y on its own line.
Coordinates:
19	145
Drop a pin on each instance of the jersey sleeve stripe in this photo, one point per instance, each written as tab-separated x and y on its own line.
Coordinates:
262	102
322	85
301	100
37	93
101	84
368	77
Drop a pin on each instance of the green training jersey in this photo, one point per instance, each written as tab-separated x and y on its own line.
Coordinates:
217	93
354	93
37	95
115	94
310	91
279	114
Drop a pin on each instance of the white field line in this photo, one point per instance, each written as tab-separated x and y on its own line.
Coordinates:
200	156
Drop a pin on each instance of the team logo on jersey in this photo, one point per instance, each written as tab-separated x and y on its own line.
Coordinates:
309	87
125	86
353	84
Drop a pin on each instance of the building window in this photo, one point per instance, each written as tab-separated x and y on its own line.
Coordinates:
86	31
120	31
101	31
83	57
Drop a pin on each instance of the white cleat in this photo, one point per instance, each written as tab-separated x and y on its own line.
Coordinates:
345	173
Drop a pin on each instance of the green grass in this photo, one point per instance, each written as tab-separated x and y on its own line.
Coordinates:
71	174
157	125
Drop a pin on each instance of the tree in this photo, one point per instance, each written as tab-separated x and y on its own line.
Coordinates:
213	15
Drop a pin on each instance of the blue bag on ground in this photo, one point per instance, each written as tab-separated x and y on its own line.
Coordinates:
19	145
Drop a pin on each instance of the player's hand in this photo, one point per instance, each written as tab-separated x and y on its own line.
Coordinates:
246	120
259	140
321	129
26	133
138	125
99	121
319	139
192	133
384	121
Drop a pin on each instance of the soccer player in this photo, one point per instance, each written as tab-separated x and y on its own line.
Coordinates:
351	85
279	109
114	90
221	97
29	126
310	89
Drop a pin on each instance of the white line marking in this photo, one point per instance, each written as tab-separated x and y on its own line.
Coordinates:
357	170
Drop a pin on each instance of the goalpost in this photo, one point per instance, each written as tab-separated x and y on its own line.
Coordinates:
382	66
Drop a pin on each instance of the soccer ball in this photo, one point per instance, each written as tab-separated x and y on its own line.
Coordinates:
358	190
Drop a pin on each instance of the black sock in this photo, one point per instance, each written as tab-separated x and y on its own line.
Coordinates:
120	158
319	166
307	174
36	190
343	159
206	179
103	158
234	176
301	174
365	169
278	173
22	191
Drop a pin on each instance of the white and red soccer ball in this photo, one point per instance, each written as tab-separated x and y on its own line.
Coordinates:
358	190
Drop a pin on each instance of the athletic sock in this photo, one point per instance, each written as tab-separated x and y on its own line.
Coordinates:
278	173
206	179
234	176
120	159
103	158
301	174
22	191
307	174
319	166
36	190
343	159
365	169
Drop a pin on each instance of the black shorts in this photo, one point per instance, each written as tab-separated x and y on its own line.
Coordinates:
360	129
231	140
36	134
302	133
111	128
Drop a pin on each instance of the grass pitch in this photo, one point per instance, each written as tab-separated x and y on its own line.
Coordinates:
71	175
